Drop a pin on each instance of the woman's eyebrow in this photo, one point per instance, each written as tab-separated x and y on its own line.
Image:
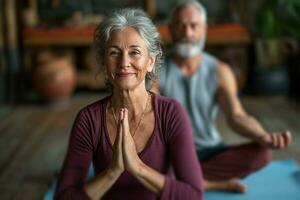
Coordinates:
114	46
117	47
136	46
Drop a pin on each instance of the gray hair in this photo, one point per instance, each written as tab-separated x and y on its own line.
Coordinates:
137	19
196	4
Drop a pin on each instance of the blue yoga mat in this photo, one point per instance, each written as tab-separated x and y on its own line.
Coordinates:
280	180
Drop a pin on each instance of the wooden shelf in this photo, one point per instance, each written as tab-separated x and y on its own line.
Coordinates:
216	35
227	37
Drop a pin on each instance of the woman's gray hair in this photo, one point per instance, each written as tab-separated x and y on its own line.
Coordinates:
196	4
137	19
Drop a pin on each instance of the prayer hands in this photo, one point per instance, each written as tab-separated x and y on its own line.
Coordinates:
276	139
130	156
125	156
117	164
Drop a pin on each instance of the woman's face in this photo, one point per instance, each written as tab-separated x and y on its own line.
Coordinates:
127	59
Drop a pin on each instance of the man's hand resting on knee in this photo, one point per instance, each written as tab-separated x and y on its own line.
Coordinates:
277	140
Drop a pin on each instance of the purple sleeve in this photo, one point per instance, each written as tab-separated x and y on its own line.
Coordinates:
188	183
77	161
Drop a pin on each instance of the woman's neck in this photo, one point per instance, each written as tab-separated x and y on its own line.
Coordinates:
135	101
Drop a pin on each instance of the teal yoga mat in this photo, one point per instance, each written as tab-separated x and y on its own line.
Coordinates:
280	180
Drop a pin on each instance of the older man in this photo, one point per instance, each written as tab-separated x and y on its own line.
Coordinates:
201	83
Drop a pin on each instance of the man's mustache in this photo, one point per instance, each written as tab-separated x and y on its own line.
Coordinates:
188	41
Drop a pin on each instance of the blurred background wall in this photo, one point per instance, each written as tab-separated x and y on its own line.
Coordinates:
45	45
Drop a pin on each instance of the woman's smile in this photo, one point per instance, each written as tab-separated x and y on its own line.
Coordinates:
125	74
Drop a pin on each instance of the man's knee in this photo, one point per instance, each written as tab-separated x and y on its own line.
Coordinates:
262	157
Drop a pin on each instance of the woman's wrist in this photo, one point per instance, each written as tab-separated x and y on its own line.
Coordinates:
138	169
150	178
113	172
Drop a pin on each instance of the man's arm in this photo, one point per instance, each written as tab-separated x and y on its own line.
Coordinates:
238	119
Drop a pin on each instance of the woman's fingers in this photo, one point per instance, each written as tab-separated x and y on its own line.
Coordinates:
121	114
117	159
130	156
125	122
118	140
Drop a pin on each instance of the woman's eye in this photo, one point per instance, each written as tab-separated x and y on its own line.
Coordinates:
134	53
113	53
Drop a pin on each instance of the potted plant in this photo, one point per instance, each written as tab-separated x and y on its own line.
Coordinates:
272	45
289	17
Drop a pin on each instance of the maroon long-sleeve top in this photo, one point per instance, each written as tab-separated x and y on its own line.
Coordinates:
171	144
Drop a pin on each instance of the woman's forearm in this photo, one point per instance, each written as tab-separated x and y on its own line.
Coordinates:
97	187
150	178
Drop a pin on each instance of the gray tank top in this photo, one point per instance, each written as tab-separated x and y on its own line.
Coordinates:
198	95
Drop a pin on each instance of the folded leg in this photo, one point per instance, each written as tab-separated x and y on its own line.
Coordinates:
236	162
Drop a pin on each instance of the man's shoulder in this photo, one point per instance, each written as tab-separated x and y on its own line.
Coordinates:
168	69
210	59
168	60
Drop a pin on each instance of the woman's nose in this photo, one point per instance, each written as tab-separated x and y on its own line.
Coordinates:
125	60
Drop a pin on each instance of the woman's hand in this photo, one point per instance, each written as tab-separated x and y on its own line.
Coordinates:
276	139
125	157
124	150
117	164
132	162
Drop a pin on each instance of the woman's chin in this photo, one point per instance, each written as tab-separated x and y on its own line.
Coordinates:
128	86
125	86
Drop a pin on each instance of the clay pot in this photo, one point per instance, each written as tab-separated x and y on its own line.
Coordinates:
29	18
54	76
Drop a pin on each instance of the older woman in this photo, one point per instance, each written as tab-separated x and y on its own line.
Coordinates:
132	136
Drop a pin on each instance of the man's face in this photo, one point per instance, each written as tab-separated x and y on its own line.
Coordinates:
188	32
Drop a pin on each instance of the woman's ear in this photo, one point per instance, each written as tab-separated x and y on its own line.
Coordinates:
151	64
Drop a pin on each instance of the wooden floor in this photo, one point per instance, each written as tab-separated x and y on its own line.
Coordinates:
33	140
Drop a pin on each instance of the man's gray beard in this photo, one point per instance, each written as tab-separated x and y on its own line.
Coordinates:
188	49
